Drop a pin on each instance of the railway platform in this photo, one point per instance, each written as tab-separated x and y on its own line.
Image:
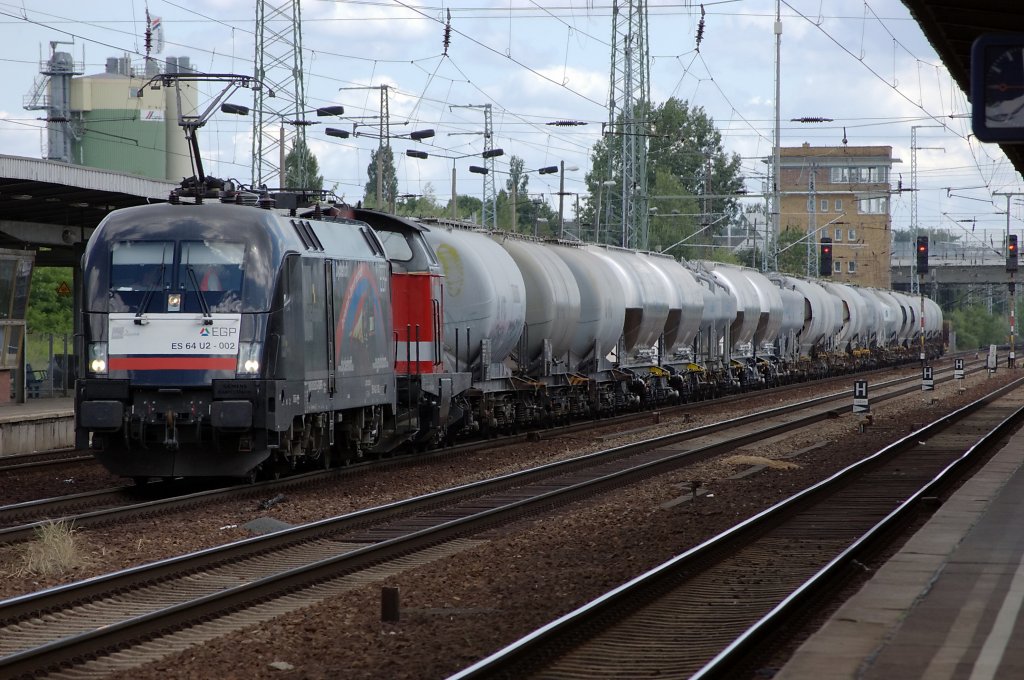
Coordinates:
37	425
948	606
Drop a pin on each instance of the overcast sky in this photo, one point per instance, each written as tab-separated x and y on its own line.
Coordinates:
866	65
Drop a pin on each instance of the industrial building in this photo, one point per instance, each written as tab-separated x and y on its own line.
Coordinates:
109	120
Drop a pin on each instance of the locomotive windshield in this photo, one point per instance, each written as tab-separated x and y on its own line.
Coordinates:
141	265
395	245
161	276
216	266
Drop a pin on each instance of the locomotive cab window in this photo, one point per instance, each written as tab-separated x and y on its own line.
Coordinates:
212	269
138	269
141	266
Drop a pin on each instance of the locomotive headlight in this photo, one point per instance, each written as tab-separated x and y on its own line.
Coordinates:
98	357
249	358
174	302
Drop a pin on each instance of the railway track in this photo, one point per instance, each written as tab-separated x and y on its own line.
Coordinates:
238	584
19	522
26	462
714	611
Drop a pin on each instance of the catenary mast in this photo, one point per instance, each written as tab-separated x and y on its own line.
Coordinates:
629	98
278	122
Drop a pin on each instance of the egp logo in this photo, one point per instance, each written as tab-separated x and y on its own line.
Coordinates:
218	332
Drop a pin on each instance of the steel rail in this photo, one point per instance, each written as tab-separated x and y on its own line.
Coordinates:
510	661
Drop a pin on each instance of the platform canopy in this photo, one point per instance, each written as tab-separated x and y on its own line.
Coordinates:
52	207
951	27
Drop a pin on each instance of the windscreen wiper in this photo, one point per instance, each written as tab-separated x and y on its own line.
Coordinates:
147	298
207	316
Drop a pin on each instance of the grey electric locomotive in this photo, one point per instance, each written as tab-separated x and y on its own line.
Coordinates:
217	336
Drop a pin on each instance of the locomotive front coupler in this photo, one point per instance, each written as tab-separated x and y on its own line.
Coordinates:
170	430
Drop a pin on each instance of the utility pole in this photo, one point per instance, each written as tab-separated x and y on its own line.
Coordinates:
771	245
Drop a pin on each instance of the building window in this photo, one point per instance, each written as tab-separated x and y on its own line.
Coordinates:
839	234
824	205
839	205
837	266
879	173
851	234
852	266
873	206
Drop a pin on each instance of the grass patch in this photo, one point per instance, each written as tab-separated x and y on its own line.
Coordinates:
54	552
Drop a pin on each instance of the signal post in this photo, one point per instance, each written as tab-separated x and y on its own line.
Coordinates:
825	257
1011	269
922	269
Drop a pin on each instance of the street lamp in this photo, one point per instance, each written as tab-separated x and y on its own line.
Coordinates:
299	122
547	170
480	170
561	196
300	143
489	153
415	135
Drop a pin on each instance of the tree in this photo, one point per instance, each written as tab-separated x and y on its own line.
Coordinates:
49	311
390	180
520	181
423	205
467	206
792	252
977	327
301	169
685	160
675	224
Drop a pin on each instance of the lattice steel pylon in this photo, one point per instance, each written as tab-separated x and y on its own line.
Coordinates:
629	89
489	213
282	95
